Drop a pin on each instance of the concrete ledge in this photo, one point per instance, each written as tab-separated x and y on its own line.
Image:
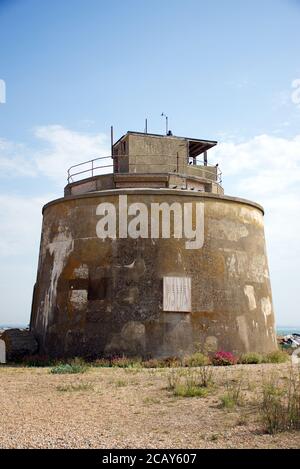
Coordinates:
140	177
139	191
151	180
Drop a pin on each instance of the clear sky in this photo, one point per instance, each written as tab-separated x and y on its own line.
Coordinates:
226	70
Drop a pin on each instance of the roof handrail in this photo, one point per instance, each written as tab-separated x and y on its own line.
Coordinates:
174	167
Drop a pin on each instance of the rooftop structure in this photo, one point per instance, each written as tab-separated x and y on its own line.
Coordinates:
149	160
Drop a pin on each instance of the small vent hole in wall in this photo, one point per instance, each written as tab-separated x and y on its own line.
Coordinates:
98	289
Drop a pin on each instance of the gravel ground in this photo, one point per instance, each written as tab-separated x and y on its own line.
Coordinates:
119	408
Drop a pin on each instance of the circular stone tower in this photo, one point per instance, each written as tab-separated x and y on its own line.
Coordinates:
152	259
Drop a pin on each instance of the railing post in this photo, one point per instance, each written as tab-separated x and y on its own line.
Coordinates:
92	168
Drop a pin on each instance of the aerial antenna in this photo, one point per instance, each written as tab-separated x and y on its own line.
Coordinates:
111	140
167	124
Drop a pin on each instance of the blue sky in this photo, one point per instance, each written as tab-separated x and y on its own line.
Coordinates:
220	69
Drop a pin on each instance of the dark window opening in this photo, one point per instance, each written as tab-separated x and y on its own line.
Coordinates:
98	289
78	284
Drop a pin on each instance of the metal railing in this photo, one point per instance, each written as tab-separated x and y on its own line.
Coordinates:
91	169
99	164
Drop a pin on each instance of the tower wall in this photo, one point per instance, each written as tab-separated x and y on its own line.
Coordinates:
95	296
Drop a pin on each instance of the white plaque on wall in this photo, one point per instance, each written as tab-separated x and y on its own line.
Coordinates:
177	294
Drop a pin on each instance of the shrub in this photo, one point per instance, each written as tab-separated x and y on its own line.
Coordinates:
101	363
191	387
227	402
62	368
75	366
273	412
223	359
125	362
279	356
189	390
120	362
153	363
280	405
78	361
205	376
79	364
197	359
170	362
191	383
251	358
233	395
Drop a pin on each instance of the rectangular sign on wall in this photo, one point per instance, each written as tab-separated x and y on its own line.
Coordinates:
177	294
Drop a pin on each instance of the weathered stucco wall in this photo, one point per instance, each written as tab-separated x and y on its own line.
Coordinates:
96	297
156	155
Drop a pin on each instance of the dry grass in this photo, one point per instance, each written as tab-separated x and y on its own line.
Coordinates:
124	408
281	402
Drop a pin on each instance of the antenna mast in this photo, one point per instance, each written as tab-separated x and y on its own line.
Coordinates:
167	123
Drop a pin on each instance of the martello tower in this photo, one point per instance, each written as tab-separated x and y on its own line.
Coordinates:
151	258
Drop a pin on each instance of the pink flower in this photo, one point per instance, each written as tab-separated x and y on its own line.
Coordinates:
222	358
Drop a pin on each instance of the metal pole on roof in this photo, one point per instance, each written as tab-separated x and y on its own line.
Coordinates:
205	158
146	126
167	123
112	139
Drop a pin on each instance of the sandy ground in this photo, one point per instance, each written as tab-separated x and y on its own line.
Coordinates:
121	408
